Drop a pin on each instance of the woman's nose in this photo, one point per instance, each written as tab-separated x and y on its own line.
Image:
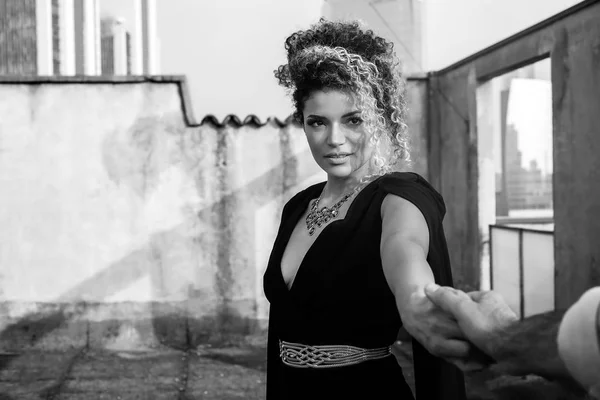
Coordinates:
335	136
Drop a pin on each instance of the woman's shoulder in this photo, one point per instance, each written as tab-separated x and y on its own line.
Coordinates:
403	178
416	189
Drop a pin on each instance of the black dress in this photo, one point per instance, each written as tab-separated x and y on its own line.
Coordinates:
340	297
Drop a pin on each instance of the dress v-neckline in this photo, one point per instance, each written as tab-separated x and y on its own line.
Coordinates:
295	218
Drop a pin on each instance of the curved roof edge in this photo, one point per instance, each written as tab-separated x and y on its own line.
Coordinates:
251	120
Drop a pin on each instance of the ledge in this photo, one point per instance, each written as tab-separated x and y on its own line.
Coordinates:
179	80
182	85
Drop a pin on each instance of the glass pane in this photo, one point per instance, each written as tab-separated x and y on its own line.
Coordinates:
514	147
538	272
505	262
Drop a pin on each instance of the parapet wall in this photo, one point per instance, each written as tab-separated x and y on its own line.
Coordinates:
124	220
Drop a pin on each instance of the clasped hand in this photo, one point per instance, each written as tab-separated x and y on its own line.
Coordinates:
455	325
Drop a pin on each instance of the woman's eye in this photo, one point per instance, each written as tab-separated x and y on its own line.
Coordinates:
355	121
315	123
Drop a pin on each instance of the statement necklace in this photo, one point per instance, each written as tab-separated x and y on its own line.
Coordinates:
316	218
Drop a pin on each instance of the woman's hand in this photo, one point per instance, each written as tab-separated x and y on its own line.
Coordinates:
482	316
435	329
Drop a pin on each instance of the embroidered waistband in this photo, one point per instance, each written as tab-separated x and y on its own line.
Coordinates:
327	356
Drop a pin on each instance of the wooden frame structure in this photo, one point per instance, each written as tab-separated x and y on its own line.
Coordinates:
571	40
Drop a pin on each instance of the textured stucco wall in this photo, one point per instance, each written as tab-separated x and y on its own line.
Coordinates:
118	215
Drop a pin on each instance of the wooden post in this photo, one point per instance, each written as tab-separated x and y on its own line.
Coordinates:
477	232
487	127
576	125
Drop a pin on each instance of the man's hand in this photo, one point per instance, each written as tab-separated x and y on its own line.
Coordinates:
481	316
437	331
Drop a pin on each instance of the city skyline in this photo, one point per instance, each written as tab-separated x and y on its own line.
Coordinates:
523	142
66	37
529	110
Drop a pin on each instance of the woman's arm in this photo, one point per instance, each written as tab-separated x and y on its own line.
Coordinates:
404	248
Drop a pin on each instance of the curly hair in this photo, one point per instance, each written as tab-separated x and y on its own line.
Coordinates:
344	56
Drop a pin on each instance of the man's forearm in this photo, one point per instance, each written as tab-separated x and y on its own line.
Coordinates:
530	347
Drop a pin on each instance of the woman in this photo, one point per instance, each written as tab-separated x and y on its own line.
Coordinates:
352	250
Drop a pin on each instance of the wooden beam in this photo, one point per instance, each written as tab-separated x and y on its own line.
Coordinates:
576	10
572	39
576	105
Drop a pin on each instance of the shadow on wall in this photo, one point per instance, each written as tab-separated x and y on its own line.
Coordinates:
201	313
5	361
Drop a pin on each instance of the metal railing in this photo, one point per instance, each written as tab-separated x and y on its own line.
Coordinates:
522	268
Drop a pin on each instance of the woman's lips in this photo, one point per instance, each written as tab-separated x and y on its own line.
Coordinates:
339	158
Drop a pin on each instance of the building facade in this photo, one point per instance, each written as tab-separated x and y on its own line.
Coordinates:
69	37
18	54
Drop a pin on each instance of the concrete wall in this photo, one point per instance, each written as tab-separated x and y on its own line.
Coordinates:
125	223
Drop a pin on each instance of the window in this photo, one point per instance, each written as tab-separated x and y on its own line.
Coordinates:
514	125
520	120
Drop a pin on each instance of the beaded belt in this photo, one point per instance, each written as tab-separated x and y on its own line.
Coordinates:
305	356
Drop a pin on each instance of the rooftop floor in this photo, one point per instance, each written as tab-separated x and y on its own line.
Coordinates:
223	372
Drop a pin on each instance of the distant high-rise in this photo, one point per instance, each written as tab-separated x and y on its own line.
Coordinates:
64	37
107	46
519	187
115	48
56	61
18	55
526	188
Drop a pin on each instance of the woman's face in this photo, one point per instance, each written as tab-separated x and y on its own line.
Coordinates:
336	134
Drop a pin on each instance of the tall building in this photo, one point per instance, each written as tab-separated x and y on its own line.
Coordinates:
18	55
64	37
519	187
115	48
527	188
56	20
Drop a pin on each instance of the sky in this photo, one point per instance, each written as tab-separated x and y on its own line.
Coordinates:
530	111
455	29
228	49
